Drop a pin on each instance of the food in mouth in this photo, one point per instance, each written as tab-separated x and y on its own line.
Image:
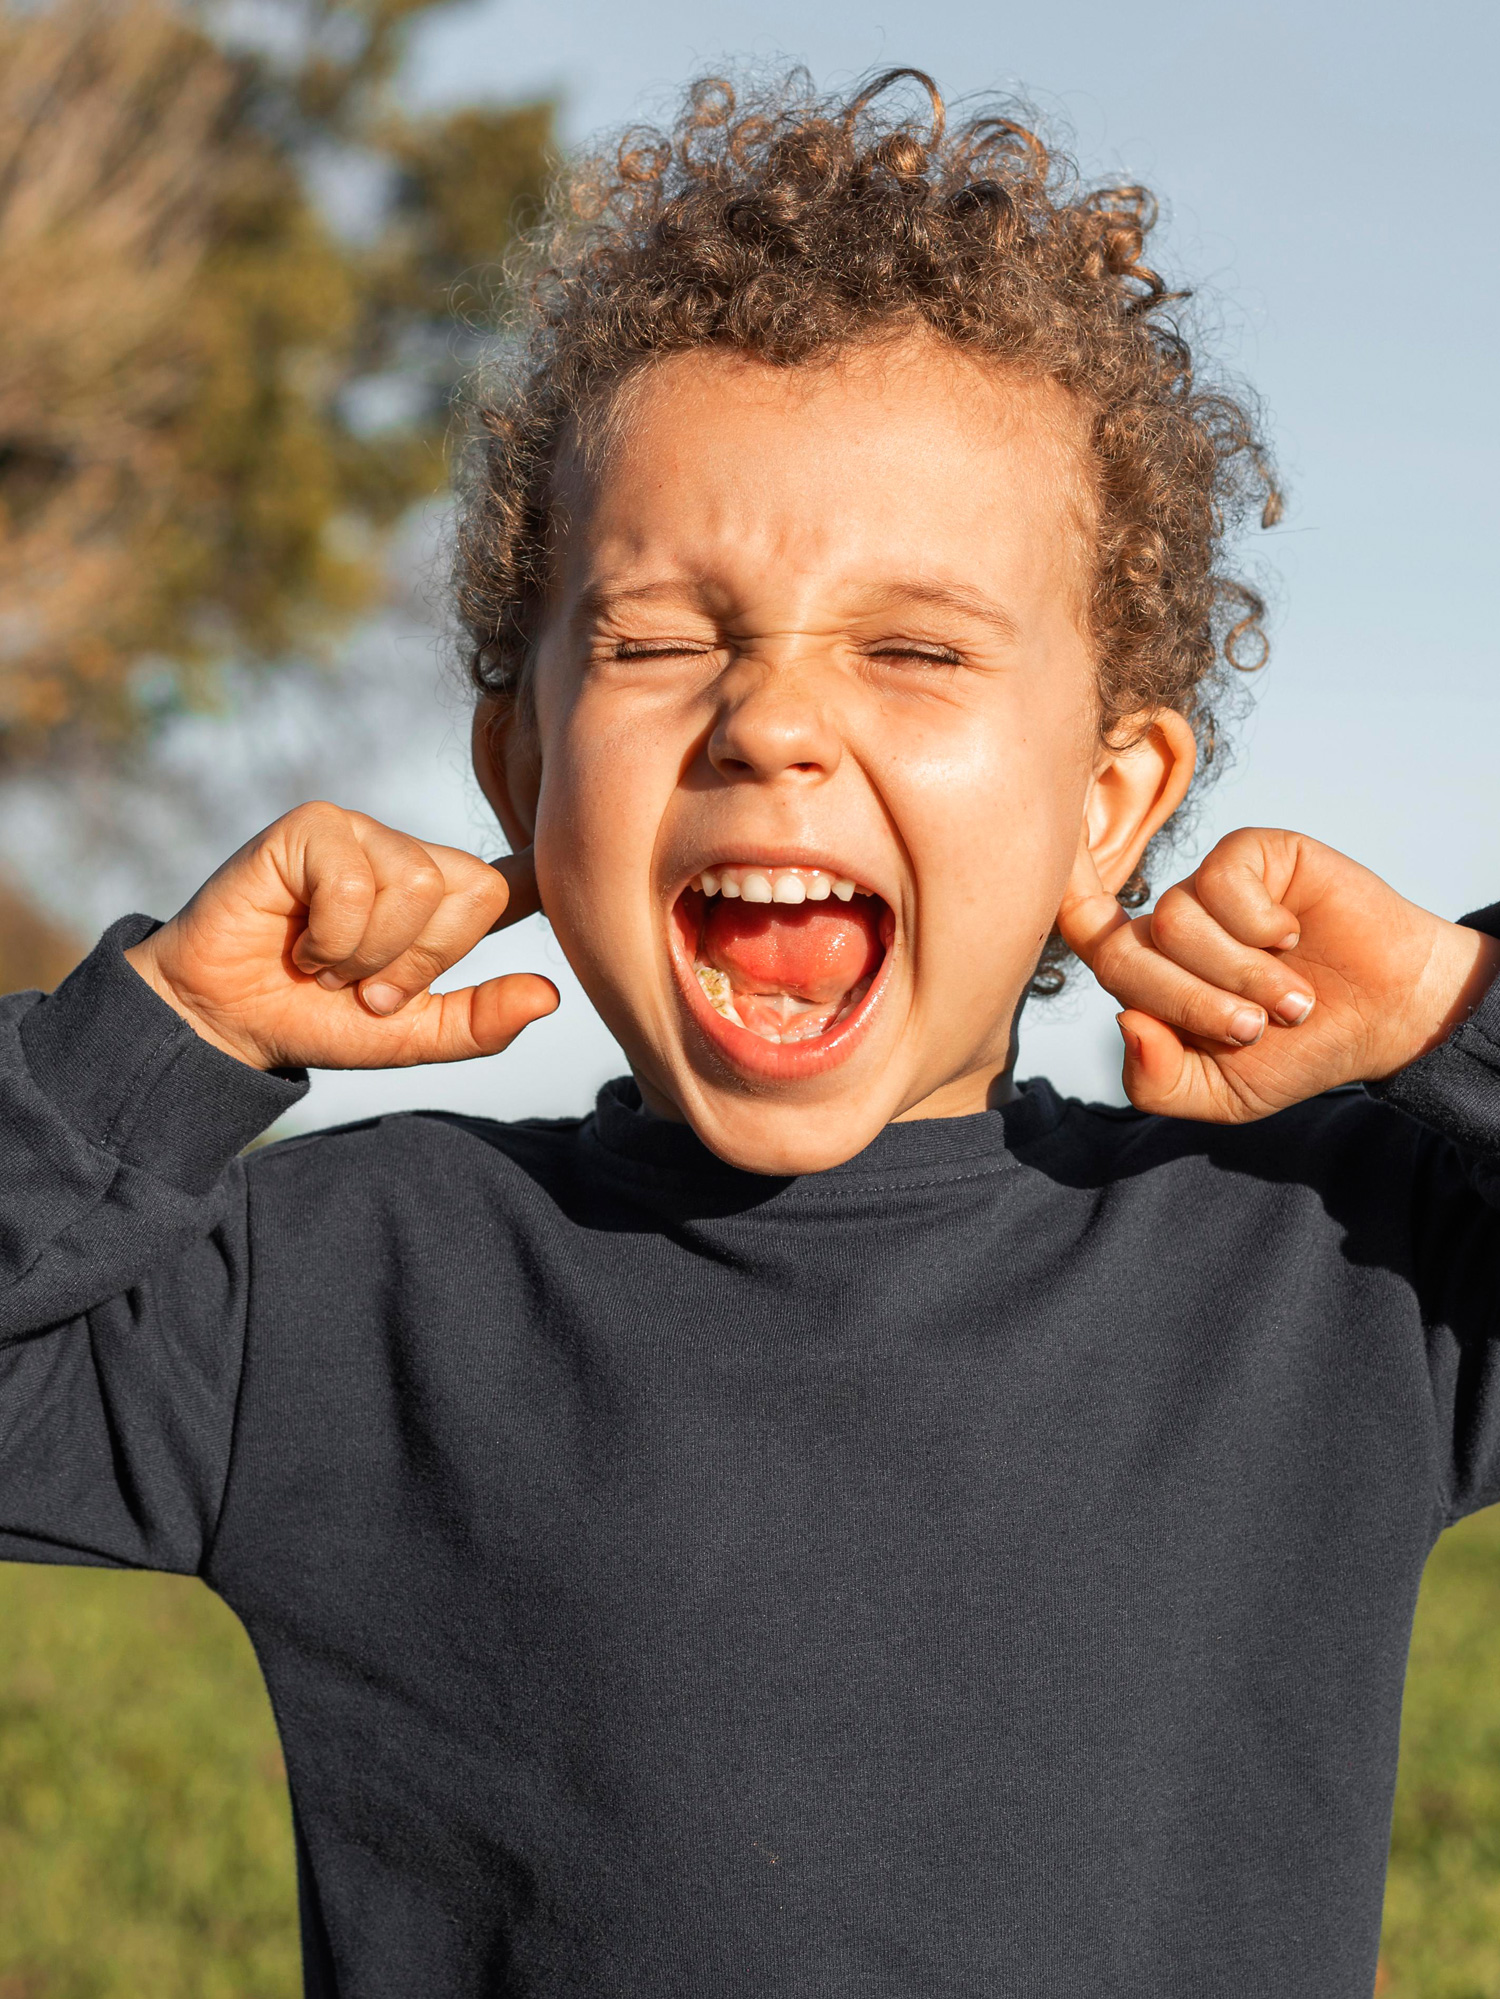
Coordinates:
786	953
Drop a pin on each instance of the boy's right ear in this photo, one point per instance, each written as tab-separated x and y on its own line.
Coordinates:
508	766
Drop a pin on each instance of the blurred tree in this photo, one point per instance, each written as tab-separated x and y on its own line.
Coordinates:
213	400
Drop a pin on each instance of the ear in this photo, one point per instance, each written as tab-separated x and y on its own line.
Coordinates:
508	765
1136	790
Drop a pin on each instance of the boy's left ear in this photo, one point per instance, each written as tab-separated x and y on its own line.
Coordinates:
1136	790
508	767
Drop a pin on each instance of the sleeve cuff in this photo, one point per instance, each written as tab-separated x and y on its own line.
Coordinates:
1456	1087
133	1078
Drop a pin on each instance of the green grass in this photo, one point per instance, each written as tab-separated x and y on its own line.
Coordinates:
145	1840
1442	1906
145	1845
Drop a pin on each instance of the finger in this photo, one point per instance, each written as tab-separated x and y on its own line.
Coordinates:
329	871
518	872
410	887
468	912
1164	1075
1234	884
1128	965
458	1026
1155	1059
1184	931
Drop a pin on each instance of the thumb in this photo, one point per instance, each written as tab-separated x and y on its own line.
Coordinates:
1088	913
457	1026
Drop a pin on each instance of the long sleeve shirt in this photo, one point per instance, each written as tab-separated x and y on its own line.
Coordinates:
983	1568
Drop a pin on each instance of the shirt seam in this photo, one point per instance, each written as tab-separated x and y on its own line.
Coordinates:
211	1538
138	1091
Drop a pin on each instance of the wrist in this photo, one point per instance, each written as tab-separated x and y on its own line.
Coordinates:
145	961
1461	967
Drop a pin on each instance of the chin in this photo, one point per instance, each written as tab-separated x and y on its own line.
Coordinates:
782	1137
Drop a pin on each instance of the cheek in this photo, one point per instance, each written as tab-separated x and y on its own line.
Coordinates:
997	787
991	815
607	782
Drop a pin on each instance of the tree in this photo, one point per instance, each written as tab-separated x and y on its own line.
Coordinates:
184	476
197	462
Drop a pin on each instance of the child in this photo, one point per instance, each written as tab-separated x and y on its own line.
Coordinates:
835	1521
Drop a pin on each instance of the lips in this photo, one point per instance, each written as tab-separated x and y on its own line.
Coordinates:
782	967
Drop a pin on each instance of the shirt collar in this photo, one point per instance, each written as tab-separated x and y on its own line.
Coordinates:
624	1127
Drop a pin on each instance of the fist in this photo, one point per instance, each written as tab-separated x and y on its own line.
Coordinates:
1278	969
316	944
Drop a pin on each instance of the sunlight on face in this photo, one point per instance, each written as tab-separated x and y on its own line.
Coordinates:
817	723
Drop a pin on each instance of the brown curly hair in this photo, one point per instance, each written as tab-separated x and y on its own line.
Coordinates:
789	227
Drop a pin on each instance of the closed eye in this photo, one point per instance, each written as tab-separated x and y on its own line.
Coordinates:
657	649
926	655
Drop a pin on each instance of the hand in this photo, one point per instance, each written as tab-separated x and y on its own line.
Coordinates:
315	945
1278	969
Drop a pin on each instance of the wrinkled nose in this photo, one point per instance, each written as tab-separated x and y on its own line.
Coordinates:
772	725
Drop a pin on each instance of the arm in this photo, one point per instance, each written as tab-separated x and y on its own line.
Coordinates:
124	1099
122	1267
1454	1090
1345	981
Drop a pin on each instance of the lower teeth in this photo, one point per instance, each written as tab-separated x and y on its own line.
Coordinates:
801	1019
720	993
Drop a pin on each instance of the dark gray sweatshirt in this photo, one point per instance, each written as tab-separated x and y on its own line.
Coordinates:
983	1569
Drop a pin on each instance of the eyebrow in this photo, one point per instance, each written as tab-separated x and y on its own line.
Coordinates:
598	600
959	597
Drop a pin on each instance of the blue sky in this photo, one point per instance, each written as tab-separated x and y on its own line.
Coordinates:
1328	174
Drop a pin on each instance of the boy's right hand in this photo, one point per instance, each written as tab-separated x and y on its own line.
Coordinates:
314	947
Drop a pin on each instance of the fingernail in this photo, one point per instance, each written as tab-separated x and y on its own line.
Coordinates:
1294	1008
1290	942
1128	1035
329	979
383	999
1248	1025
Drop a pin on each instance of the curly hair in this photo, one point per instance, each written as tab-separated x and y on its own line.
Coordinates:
789	227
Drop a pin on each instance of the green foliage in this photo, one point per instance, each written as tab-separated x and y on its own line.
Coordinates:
145	1843
180	480
464	174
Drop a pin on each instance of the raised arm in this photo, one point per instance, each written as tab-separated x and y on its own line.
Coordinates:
122	1267
125	1099
1281	969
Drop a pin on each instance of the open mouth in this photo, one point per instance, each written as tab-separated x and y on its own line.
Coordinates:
787	955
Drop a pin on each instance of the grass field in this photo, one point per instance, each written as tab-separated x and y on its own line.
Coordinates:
145	1845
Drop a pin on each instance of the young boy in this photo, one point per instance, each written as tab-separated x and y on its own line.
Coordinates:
835	1521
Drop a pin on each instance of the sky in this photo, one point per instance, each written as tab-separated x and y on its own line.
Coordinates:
1327	174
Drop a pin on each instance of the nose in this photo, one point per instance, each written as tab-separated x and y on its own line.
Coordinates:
772	724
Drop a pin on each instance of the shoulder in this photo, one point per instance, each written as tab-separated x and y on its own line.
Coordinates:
416	1160
1342	1139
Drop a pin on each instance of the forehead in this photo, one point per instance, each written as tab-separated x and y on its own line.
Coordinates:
910	451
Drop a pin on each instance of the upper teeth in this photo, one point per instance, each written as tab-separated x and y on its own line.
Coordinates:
758	884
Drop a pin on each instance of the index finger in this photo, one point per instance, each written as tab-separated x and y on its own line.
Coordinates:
1239	882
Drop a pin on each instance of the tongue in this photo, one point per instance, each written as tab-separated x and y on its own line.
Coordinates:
806	949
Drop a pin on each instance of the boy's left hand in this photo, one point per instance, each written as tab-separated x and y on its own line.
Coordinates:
1278	969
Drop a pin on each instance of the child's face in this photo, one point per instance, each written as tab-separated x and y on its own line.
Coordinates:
818	626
